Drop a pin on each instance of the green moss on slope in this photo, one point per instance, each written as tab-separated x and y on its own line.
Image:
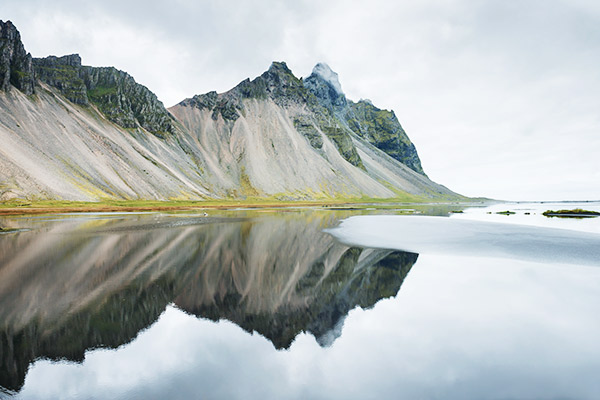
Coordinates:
305	126
382	129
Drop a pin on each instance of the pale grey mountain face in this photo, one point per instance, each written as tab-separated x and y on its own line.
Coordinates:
94	133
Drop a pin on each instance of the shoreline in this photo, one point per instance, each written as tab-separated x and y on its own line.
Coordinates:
25	210
152	206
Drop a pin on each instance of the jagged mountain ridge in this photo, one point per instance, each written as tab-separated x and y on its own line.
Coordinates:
114	92
332	113
88	133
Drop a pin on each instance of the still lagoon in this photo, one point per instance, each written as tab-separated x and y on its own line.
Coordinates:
302	304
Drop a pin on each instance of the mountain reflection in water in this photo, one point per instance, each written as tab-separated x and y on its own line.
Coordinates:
74	284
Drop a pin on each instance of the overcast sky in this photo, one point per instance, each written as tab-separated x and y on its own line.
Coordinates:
501	98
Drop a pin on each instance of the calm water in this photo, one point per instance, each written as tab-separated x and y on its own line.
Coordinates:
269	305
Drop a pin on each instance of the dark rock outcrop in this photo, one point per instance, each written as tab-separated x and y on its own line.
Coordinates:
16	67
116	94
124	101
277	83
382	129
379	127
324	84
63	74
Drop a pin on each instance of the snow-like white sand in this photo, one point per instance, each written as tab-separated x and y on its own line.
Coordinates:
440	235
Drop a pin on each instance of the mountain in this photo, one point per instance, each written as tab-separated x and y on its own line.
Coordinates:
76	132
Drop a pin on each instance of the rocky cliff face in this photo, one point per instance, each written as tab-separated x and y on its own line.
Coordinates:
382	129
325	85
378	127
115	93
15	63
63	74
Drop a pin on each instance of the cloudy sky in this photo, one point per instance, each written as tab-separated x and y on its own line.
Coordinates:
501	98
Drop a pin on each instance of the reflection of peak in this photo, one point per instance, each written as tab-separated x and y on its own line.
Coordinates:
277	276
327	339
338	281
371	275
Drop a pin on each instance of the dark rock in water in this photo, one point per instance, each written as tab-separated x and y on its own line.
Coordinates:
116	94
16	67
576	213
506	212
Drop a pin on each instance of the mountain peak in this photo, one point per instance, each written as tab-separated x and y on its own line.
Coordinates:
72	60
325	72
323	82
279	73
279	66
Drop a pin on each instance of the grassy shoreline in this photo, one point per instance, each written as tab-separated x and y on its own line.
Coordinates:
57	206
